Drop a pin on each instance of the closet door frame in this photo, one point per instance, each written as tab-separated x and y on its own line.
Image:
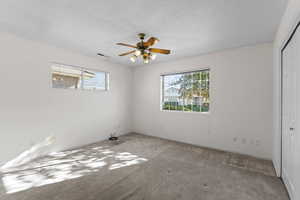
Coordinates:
282	93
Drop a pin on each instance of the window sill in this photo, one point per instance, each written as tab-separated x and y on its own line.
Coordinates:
177	111
80	90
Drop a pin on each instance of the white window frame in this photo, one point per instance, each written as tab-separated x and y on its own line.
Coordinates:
82	69
183	72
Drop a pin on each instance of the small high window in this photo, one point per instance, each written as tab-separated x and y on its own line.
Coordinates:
70	77
188	91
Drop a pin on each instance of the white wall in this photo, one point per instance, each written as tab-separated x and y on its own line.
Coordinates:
30	110
288	23
241	102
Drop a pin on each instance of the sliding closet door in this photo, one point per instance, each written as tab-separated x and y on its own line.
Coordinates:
296	133
290	115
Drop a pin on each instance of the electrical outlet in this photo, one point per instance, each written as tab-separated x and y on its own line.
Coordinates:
244	140
31	144
257	142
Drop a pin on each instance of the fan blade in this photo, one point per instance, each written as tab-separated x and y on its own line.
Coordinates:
127	45
127	53
151	41
162	51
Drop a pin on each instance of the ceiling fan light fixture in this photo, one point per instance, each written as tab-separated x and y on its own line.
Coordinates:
137	52
153	56
144	49
146	61
133	58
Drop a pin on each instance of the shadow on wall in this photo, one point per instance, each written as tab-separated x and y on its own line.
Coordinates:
61	166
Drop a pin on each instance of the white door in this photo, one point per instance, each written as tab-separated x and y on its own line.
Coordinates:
290	111
296	133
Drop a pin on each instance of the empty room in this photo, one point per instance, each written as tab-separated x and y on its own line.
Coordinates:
150	100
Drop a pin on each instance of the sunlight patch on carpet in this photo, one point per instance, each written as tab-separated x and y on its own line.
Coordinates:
67	165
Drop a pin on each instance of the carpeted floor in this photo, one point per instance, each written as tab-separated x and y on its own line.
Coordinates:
141	167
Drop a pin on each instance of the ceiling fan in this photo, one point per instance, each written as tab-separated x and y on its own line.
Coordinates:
143	49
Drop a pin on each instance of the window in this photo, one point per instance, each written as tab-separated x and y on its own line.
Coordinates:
187	91
70	77
93	80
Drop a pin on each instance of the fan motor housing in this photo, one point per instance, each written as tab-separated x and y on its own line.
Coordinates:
141	46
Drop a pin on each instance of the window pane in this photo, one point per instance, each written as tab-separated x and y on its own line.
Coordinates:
205	92
69	77
93	80
186	92
66	77
171	92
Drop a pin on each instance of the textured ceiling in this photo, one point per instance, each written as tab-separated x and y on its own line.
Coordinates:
187	27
